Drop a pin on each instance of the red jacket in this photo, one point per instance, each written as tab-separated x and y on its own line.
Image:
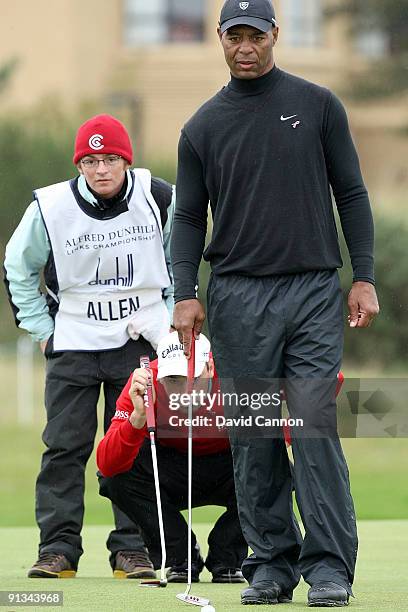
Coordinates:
120	446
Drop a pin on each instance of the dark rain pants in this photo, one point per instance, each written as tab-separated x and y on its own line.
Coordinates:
72	388
212	484
288	327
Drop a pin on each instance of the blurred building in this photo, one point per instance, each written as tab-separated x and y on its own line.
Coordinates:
154	62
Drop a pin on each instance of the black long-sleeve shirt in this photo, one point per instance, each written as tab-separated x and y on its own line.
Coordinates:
265	152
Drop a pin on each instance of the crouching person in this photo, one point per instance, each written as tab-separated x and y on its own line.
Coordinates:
124	460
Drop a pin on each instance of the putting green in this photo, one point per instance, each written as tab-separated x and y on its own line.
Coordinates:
381	582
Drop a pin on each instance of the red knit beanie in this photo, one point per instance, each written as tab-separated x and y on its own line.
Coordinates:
103	134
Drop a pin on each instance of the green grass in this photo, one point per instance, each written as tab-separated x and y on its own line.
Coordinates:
380	585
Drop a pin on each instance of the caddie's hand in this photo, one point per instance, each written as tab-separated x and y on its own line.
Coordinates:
43	344
137	390
188	315
363	304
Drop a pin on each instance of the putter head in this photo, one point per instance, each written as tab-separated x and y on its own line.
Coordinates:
155	583
193	599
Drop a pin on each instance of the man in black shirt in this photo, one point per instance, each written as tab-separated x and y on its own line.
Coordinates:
265	151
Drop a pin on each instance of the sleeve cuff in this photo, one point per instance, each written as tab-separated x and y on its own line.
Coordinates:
131	434
182	298
364	279
45	333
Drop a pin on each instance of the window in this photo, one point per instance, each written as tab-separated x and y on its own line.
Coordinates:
163	21
373	44
301	22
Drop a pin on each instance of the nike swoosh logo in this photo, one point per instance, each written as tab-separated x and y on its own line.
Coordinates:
287	118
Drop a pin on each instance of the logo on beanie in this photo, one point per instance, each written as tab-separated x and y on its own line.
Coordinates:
95	142
243	5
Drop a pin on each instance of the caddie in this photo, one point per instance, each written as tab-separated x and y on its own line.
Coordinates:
101	241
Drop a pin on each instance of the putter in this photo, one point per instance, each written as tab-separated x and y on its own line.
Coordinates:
151	428
195	600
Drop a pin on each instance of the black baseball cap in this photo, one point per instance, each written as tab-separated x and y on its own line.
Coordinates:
259	14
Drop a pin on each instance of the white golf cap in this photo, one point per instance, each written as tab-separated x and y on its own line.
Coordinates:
173	362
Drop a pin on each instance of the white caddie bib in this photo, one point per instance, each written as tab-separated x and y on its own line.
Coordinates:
110	272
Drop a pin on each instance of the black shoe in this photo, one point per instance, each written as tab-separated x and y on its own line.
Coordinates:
327	595
227	575
265	592
178	573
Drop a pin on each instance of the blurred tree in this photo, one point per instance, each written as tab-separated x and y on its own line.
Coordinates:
34	151
6	72
387	20
386	342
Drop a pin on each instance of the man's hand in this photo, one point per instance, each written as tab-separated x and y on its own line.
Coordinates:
188	314
137	389
363	304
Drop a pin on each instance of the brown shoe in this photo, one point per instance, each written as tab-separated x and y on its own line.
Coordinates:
51	565
133	564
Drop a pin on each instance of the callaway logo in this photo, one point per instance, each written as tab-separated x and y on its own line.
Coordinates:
95	142
287	118
170	349
243	5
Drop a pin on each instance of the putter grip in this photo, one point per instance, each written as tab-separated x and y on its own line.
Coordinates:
148	397
191	364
